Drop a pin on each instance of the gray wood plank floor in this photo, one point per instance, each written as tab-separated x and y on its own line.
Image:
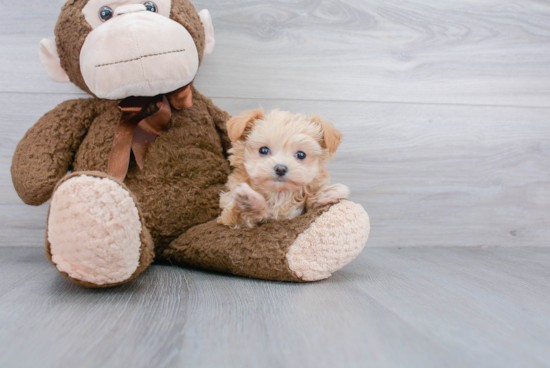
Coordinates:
391	307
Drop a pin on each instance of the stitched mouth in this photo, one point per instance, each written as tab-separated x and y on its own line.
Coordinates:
141	57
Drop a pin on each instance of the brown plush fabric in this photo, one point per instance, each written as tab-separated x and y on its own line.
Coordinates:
185	14
47	150
147	246
71	31
184	170
259	252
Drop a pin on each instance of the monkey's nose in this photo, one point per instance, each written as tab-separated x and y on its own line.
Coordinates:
132	8
281	170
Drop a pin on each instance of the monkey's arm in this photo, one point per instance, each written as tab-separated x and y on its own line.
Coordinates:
46	152
220	119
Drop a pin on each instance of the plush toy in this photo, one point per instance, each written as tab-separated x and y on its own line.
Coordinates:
138	179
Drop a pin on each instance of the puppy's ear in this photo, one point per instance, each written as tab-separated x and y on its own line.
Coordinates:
331	136
238	126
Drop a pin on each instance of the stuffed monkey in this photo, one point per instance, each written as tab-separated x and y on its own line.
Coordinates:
134	174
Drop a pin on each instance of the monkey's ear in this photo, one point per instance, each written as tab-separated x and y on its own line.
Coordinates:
50	60
237	125
206	21
331	136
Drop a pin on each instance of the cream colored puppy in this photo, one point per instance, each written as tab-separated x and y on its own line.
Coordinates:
279	167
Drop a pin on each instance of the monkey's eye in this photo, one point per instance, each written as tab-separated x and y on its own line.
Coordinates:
300	155
151	6
105	13
264	151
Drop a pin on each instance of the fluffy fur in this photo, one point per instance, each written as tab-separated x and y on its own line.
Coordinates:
255	192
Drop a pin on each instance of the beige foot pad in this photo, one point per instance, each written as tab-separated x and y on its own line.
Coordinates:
94	230
330	243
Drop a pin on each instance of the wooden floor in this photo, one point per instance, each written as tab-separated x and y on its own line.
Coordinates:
391	307
445	110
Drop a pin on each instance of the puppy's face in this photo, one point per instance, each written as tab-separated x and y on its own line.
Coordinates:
283	151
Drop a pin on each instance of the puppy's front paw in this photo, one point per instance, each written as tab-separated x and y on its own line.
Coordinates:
332	194
247	200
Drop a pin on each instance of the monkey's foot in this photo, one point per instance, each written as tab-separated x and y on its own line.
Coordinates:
95	234
331	242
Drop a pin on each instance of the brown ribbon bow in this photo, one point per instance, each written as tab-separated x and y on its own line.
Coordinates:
137	133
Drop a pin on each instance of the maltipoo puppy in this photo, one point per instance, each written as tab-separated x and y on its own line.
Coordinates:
279	167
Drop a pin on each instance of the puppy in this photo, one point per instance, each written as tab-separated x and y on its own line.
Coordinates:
279	167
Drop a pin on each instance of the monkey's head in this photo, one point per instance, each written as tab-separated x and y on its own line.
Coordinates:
114	49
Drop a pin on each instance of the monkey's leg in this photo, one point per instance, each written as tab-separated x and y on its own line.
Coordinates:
96	235
307	248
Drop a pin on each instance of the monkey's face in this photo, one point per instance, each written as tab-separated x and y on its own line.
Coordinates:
135	49
132	47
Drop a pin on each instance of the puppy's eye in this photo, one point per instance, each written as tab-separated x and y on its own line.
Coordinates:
151	6
264	151
300	155
105	13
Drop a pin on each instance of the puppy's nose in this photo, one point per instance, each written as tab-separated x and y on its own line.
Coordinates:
281	170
